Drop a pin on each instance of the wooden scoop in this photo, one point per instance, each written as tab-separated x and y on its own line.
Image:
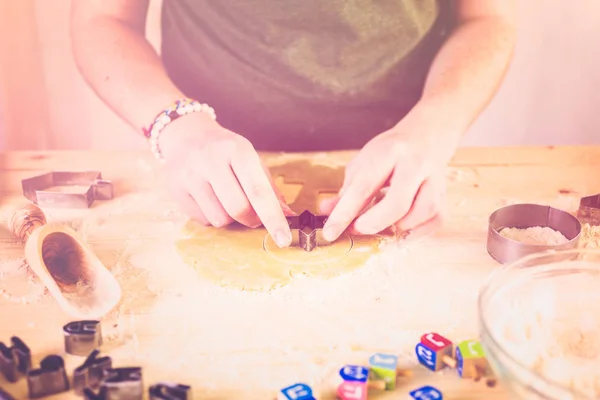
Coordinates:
73	274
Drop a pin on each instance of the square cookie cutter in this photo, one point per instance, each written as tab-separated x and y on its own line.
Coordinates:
42	189
589	210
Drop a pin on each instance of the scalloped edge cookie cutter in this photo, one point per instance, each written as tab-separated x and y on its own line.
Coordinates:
306	230
589	210
34	189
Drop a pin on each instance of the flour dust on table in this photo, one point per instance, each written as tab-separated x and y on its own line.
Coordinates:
331	307
249	344
179	325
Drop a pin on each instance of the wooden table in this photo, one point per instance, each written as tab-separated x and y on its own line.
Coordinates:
480	180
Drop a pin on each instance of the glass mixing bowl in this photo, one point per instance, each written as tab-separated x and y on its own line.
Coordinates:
539	321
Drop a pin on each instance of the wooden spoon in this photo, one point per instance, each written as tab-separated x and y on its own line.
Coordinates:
73	274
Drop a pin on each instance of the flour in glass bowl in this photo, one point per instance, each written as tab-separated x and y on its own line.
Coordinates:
536	235
552	326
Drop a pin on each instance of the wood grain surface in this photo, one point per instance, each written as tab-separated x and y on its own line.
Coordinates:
480	180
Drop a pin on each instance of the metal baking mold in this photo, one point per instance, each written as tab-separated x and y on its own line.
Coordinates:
119	383
14	360
50	378
36	189
522	216
170	391
91	372
589	210
306	230
82	337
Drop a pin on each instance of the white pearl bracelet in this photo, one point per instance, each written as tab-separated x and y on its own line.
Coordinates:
170	114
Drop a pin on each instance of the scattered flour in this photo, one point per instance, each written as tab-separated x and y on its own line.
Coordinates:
302	332
536	235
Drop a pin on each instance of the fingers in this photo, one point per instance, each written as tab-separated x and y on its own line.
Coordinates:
353	198
188	205
393	207
210	205
231	196
256	185
426	205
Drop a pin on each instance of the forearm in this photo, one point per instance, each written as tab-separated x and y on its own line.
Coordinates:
467	72
123	69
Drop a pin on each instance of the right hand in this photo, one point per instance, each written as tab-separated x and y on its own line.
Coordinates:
218	177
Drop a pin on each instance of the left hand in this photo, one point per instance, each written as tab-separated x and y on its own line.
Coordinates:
409	165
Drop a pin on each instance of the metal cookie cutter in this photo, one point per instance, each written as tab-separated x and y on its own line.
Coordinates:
589	210
50	378
15	359
82	337
306	229
39	189
170	391
119	384
505	250
91	372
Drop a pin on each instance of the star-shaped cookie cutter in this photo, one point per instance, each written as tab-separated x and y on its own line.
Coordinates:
39	189
589	210
306	230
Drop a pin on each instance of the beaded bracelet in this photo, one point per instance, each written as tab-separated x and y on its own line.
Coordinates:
170	114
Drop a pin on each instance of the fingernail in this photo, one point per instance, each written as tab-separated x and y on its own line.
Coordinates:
283	239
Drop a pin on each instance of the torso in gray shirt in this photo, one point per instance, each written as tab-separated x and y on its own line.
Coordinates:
301	75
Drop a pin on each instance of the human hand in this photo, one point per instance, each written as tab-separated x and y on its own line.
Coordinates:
406	165
218	178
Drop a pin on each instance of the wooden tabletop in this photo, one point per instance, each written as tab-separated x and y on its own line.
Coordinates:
152	329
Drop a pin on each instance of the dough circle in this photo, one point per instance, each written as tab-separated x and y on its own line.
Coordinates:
236	257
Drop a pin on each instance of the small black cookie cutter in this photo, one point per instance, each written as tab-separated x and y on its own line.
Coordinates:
304	229
4	395
91	372
15	359
170	391
82	337
50	378
119	384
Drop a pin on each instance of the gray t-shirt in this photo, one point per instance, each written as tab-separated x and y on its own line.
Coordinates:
301	75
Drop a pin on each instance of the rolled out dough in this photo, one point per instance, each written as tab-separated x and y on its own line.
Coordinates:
248	259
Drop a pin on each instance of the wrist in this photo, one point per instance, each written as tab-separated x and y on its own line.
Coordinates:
430	131
181	110
175	138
